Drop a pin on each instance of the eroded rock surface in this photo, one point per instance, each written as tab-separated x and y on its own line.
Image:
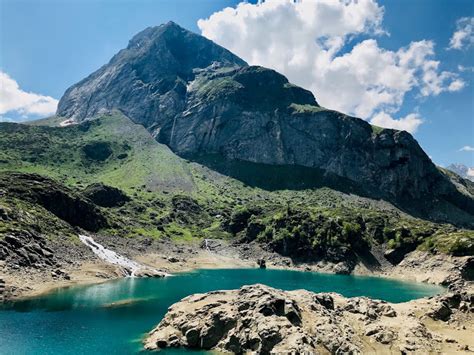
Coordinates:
262	319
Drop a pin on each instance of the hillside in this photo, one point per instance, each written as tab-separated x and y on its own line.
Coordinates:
112	151
164	197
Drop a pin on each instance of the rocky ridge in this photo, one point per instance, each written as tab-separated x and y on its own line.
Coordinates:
265	320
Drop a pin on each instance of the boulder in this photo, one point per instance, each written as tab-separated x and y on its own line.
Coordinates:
262	263
440	311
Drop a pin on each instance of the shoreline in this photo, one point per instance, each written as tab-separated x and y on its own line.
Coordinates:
91	273
449	336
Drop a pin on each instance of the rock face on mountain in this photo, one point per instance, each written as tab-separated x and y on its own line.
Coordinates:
147	80
265	320
203	101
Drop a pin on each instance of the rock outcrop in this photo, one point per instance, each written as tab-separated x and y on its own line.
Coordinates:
54	197
208	105
105	196
265	320
26	249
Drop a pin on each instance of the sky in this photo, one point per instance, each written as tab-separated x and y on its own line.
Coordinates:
404	64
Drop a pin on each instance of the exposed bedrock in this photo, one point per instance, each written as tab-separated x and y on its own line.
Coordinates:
265	320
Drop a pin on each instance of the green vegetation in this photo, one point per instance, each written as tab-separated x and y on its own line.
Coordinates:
124	155
213	89
306	108
339	233
376	129
168	197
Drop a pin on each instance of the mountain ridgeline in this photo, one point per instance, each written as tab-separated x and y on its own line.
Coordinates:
210	106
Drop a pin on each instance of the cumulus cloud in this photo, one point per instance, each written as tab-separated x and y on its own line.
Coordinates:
308	41
467	148
15	100
463	37
409	123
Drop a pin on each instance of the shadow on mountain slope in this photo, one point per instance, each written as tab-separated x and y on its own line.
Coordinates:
450	206
280	177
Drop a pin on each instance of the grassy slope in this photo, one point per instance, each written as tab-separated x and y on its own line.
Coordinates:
153	176
136	160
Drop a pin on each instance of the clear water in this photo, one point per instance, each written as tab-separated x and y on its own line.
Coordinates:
80	320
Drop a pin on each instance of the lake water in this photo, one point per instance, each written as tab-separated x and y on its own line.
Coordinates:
81	320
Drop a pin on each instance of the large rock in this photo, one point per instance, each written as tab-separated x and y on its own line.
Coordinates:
207	104
264	320
254	318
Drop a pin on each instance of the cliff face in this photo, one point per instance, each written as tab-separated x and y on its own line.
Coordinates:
254	114
201	100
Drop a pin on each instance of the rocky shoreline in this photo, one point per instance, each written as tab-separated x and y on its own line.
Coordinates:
261	319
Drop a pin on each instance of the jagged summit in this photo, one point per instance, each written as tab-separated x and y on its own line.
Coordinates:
153	69
208	105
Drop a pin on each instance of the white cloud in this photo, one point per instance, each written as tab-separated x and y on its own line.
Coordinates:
467	148
409	123
463	37
304	40
463	68
15	100
456	85
470	173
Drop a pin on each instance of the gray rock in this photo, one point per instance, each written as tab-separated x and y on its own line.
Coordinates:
440	312
256	319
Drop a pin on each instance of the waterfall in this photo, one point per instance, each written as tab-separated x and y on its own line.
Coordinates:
206	245
110	256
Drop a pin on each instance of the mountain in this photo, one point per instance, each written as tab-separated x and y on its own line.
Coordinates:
209	106
462	170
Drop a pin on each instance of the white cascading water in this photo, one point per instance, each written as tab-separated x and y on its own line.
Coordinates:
206	244
110	256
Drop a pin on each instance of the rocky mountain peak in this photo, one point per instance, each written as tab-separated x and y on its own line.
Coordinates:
157	61
177	49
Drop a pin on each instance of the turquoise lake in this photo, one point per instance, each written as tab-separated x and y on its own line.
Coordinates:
80	320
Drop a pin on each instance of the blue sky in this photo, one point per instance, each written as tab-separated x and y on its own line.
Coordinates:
48	45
